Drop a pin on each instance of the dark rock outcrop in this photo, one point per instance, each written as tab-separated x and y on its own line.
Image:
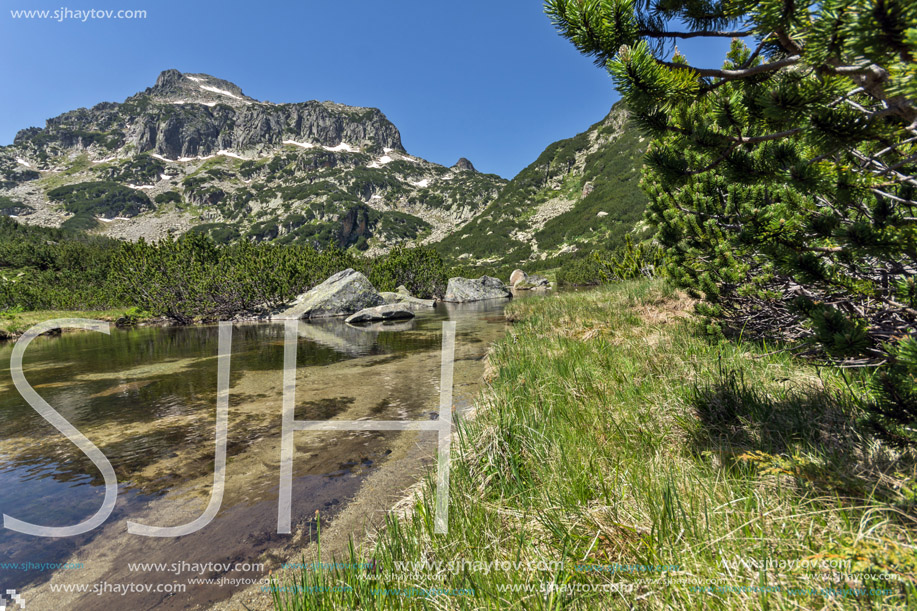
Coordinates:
191	115
464	164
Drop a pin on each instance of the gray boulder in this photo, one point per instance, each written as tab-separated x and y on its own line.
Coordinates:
539	280
344	293
460	290
394	311
532	282
518	276
407	301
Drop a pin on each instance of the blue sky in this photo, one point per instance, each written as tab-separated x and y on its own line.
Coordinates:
490	81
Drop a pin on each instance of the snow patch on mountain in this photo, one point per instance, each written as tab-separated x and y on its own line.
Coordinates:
343	147
305	145
220	91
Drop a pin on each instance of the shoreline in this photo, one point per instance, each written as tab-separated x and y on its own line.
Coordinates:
351	526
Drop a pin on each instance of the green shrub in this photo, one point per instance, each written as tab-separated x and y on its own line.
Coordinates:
193	278
421	270
629	262
142	169
169	197
101	198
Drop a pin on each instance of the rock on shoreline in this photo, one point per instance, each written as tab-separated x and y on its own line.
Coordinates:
461	290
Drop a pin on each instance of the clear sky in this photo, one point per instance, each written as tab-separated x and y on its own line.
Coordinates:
487	80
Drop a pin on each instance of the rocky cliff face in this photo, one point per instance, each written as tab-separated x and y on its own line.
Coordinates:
188	115
201	155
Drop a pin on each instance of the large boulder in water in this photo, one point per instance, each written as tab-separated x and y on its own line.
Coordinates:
461	290
392	311
342	294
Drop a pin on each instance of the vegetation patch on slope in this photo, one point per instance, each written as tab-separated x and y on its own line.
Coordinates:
101	198
581	193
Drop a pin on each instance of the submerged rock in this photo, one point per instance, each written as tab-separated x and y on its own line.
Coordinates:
343	293
392	311
461	290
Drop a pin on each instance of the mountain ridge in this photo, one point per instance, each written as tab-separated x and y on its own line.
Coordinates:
580	193
194	153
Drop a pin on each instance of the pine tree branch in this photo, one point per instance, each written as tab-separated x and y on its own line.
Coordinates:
734	74
903	162
704	33
756	52
737	142
787	43
767	137
883	169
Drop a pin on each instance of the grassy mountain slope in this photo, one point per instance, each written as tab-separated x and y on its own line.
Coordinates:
581	193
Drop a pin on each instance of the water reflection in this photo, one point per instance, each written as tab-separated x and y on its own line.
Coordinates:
146	398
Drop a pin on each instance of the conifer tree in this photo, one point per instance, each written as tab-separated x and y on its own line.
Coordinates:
782	184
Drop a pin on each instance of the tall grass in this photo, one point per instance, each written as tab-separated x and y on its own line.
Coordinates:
613	433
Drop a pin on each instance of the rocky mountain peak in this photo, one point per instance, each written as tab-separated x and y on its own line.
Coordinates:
195	115
464	164
173	86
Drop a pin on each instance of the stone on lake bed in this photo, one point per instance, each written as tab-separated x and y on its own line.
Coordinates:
392	311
